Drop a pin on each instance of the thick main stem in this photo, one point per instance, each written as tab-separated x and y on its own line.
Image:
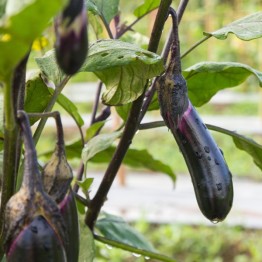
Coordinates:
130	128
10	136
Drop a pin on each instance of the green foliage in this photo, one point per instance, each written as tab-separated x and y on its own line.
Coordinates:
115	228
37	96
107	9
205	79
243	143
146	7
136	159
246	28
15	37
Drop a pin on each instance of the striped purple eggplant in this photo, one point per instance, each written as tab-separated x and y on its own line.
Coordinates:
210	175
71	37
35	229
57	176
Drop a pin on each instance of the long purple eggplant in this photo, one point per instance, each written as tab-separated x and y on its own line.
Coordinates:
209	172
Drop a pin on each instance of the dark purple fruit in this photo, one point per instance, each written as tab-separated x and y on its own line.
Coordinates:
210	175
35	229
71	37
57	176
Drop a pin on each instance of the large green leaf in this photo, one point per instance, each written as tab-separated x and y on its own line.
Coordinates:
49	67
21	27
37	96
115	228
137	159
205	79
243	143
146	7
123	67
107	9
98	144
247	28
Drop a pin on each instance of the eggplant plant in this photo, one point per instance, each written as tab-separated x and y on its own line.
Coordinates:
47	212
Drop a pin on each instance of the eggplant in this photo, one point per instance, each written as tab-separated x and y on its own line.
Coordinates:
71	44
34	228
211	177
57	176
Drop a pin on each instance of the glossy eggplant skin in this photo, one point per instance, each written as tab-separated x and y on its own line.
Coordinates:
69	213
209	172
37	242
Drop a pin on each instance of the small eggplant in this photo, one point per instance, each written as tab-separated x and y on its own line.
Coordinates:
57	176
71	37
209	172
35	229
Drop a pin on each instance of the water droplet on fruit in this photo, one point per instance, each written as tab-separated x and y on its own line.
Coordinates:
215	220
209	158
34	229
199	155
216	161
219	186
207	149
221	151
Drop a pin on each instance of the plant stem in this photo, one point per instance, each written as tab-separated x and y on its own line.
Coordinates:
150	125
195	46
181	9
49	107
130	128
95	107
10	138
146	253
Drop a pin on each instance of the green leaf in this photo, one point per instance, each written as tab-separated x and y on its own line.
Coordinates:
80	207
205	79
123	67
85	185
93	129
74	149
107	9
37	96
70	108
21	27
115	228
243	143
49	67
137	159
123	111
98	144
247	28
87	250
146	7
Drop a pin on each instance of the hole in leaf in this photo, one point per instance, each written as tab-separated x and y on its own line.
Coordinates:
120	57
